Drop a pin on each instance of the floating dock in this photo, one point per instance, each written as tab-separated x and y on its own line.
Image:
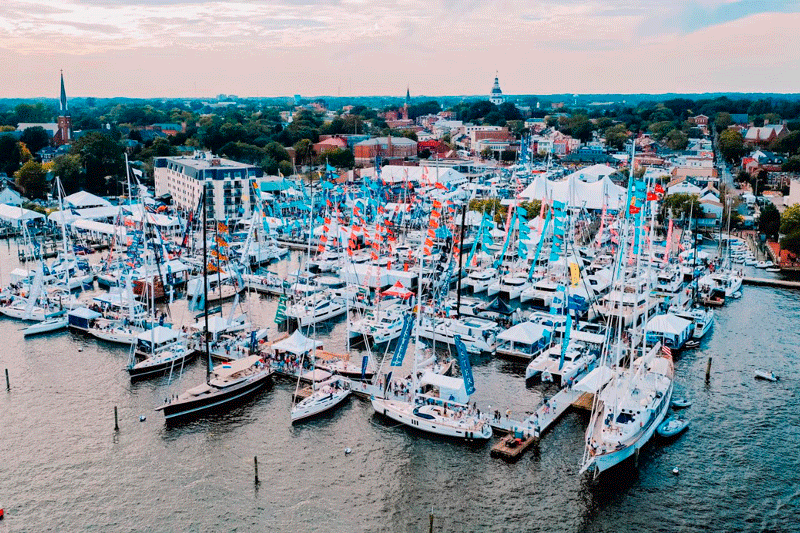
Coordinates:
511	448
778	283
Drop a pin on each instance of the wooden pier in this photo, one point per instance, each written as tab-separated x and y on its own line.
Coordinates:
777	283
510	448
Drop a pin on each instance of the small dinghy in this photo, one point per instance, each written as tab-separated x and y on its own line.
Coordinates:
672	427
692	344
681	403
52	324
765	264
768	376
772	269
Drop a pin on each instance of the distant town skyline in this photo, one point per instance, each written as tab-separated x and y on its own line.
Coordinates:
180	48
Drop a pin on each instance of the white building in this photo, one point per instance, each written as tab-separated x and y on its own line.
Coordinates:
229	184
496	95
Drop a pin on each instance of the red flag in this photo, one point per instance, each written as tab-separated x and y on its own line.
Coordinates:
651	197
659	189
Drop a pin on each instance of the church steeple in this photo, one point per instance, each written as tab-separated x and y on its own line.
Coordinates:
408	96
64	110
64	133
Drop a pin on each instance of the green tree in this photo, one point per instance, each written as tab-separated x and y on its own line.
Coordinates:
31	178
100	156
722	120
33	113
790	220
769	221
340	158
68	168
792	164
616	136
10	155
304	151
731	144
677	140
285	168
35	138
682	205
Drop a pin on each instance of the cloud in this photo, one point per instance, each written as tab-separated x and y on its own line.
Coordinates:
375	46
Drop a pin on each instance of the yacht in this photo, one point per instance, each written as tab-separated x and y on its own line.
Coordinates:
703	319
725	279
477	334
629	302
327	395
510	286
578	358
379	325
629	409
541	293
316	308
228	384
480	280
161	350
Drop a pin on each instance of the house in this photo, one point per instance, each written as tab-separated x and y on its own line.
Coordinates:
330	144
9	195
699	120
386	147
766	134
683	187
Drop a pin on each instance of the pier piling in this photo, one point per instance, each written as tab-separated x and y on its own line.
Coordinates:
8	381
255	465
116	419
430	523
708	370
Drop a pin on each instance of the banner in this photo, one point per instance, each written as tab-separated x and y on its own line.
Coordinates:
402	344
280	313
565	341
575	273
466	367
364	362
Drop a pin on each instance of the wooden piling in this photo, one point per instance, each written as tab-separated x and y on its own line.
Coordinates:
708	370
255	464
8	381
430	522
116	419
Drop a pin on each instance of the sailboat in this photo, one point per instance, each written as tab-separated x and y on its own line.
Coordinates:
629	408
226	384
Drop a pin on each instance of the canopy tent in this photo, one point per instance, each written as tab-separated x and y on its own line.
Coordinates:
91	226
669	324
275	186
17	215
593	173
524	333
594	380
296	344
450	389
395	174
398	291
577	193
83	199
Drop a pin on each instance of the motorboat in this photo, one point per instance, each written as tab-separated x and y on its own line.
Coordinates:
767	376
548	367
477	334
316	308
510	286
161	350
327	395
681	403
765	264
480	280
672	427
229	383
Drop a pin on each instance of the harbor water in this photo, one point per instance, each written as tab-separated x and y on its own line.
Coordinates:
64	468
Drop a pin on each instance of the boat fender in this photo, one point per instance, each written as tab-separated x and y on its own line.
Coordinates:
675	471
142	418
348	451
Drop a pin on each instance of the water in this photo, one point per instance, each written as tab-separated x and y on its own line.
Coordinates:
63	468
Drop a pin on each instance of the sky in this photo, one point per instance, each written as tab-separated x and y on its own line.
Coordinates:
186	48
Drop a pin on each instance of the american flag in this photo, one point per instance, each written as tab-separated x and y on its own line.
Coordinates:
666	350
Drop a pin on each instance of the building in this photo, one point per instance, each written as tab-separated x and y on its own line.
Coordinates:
228	184
330	143
64	133
386	147
699	120
765	135
496	95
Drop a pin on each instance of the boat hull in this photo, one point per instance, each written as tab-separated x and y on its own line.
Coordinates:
395	411
216	403
160	368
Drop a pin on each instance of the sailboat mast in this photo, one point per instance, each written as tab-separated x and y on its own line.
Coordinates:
205	285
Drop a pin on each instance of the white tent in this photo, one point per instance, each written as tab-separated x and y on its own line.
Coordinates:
83	199
668	324
593	173
92	226
449	388
16	215
577	193
296	344
523	333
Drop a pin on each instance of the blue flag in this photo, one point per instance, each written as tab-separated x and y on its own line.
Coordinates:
466	367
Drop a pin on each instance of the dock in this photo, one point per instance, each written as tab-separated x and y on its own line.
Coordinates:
585	401
510	448
777	283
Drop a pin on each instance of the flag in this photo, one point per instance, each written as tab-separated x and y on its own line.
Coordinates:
280	313
666	350
222	228
659	189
